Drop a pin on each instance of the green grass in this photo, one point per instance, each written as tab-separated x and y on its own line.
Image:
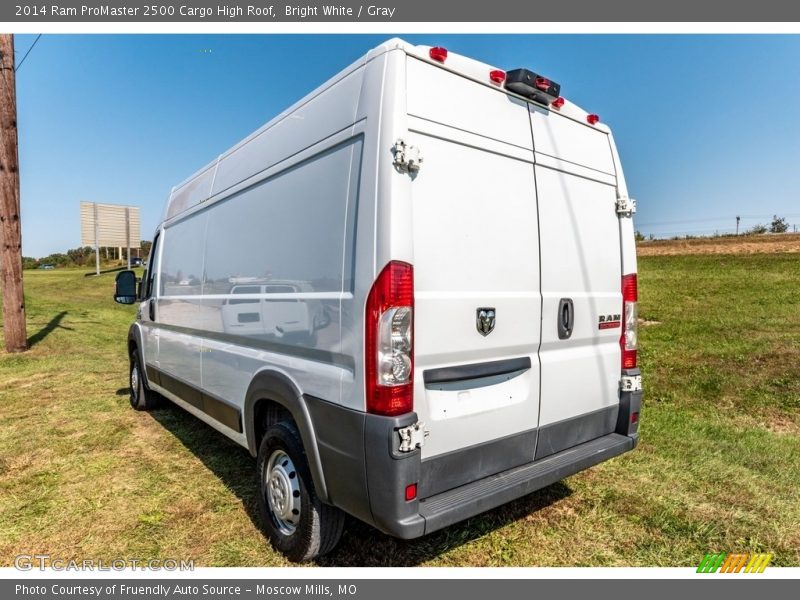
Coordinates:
84	476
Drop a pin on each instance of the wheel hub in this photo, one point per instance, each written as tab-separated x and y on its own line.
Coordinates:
135	381
282	489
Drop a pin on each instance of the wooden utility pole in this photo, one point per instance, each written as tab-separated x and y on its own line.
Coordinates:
14	330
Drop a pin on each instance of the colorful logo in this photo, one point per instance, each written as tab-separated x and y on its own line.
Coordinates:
734	563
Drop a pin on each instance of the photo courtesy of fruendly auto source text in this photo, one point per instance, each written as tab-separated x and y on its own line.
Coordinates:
451	299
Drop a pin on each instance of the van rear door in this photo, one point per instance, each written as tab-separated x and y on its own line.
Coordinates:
581	281
476	279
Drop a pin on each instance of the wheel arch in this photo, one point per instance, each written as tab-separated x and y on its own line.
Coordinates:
272	391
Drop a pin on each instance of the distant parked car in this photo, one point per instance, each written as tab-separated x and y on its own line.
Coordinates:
47	267
136	262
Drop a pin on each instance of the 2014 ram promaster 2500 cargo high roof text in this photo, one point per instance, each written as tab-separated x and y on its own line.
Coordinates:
412	296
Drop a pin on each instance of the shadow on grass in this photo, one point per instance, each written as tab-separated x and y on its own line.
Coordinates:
361	544
54	323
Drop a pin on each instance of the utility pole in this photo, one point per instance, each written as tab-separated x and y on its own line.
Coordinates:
738	218
14	328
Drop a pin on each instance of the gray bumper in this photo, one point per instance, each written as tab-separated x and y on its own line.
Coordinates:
369	481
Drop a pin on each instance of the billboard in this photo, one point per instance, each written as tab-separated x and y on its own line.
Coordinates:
116	226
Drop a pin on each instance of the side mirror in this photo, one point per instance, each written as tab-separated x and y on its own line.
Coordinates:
125	287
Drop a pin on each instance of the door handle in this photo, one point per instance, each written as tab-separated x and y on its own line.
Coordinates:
151	309
566	318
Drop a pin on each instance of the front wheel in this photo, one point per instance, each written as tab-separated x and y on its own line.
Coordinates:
298	523
141	397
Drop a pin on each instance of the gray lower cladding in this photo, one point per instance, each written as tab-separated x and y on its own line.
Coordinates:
559	436
366	475
216	408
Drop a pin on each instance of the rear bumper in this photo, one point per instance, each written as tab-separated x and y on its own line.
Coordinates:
388	473
453	506
469	500
369	481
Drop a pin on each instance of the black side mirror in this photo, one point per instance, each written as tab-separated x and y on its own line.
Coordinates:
125	287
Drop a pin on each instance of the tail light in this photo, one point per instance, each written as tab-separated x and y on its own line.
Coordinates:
389	346
629	341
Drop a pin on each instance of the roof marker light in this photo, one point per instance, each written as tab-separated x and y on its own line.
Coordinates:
592	119
497	77
542	83
558	102
438	54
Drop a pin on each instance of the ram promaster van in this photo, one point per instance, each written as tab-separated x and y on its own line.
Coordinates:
412	296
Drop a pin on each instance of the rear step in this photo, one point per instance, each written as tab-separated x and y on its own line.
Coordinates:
474	498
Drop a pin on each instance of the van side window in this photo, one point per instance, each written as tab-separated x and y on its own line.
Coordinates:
152	269
287	230
182	263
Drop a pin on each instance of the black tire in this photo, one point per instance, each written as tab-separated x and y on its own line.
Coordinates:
315	528
141	397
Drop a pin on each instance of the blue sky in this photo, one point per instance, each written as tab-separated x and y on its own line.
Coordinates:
707	127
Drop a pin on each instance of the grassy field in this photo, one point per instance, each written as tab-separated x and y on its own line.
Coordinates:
84	476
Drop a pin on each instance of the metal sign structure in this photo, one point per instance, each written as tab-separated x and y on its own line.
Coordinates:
110	225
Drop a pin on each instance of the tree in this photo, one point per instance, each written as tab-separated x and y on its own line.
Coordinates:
639	236
779	225
758	229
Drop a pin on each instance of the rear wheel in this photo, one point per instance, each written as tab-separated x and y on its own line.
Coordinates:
141	397
298	523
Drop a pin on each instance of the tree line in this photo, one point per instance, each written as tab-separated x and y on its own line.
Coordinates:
81	257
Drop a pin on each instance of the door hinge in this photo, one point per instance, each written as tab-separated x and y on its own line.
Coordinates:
630	383
626	206
412	437
407	159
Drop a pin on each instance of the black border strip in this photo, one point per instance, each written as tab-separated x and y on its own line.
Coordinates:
476	370
216	408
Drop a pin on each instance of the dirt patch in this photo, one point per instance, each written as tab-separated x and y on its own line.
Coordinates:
749	244
647	323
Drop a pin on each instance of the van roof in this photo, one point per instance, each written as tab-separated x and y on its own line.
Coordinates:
464	66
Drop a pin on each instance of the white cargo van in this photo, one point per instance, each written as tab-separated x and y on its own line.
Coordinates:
412	296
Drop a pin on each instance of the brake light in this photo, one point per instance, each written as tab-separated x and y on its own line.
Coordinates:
629	341
497	77
389	348
438	54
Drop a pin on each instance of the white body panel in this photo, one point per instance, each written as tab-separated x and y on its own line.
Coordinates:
269	252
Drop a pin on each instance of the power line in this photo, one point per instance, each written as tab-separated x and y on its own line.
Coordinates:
28	52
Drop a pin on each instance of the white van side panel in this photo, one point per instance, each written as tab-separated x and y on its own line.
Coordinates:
277	259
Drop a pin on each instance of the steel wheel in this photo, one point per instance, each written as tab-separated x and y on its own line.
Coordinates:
282	489
134	383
